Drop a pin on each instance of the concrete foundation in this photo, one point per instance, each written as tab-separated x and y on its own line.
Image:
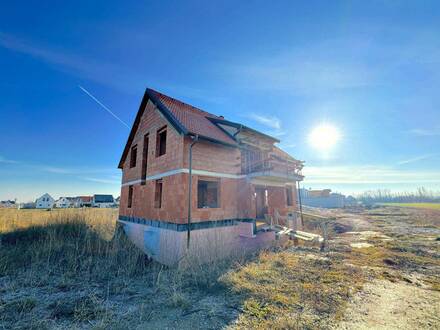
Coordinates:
169	247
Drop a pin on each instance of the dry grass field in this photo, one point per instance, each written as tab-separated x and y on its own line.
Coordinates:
68	269
432	206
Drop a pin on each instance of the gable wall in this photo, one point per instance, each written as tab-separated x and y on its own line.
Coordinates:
212	157
150	122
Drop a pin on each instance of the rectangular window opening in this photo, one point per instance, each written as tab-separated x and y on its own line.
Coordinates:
161	142
158	194
145	159
289	201
130	196
133	156
208	194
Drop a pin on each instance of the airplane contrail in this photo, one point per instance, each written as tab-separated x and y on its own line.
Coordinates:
103	106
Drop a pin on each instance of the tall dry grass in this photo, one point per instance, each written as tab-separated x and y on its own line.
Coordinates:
103	220
82	250
75	242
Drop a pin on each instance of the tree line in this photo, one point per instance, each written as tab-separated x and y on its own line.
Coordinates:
421	195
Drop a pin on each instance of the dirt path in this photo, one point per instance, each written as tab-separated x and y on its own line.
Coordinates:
382	304
386	305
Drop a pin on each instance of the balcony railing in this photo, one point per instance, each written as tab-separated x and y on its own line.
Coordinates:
273	167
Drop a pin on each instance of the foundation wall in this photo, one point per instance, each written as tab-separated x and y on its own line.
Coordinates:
169	247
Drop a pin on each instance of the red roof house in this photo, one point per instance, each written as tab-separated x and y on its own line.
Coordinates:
238	178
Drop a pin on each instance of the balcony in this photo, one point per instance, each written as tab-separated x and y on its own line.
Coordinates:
274	169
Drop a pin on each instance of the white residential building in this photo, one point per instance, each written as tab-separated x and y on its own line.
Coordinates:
45	202
27	205
64	202
103	201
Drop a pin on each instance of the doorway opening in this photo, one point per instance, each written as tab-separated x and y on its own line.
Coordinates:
260	202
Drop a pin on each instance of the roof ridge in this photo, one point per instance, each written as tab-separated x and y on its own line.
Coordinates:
193	108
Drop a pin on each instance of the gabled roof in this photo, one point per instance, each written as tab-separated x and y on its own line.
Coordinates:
45	195
103	198
187	120
193	119
85	199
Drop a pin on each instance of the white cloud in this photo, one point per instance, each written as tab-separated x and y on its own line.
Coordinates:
337	64
368	174
125	79
96	70
70	170
53	169
307	70
111	181
425	132
105	174
303	76
269	121
3	160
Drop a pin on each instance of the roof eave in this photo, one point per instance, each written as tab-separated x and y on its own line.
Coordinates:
208	139
237	125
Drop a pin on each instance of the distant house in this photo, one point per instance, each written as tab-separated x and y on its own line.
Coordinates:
103	201
83	201
325	198
117	200
45	202
28	205
317	192
65	202
8	204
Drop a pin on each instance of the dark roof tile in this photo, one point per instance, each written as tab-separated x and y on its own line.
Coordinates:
193	119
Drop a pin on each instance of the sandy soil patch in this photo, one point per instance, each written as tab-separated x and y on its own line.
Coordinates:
386	305
368	234
360	245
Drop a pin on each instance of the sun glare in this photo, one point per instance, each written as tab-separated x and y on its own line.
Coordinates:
324	137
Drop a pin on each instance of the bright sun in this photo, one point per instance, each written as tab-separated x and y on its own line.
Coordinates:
324	137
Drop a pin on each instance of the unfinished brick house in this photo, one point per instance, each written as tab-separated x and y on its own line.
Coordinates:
238	178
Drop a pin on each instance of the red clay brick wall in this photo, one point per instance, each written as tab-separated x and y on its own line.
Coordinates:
246	206
213	157
151	121
236	200
277	200
174	200
228	201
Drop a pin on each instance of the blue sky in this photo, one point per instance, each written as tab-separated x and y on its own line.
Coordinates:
371	69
